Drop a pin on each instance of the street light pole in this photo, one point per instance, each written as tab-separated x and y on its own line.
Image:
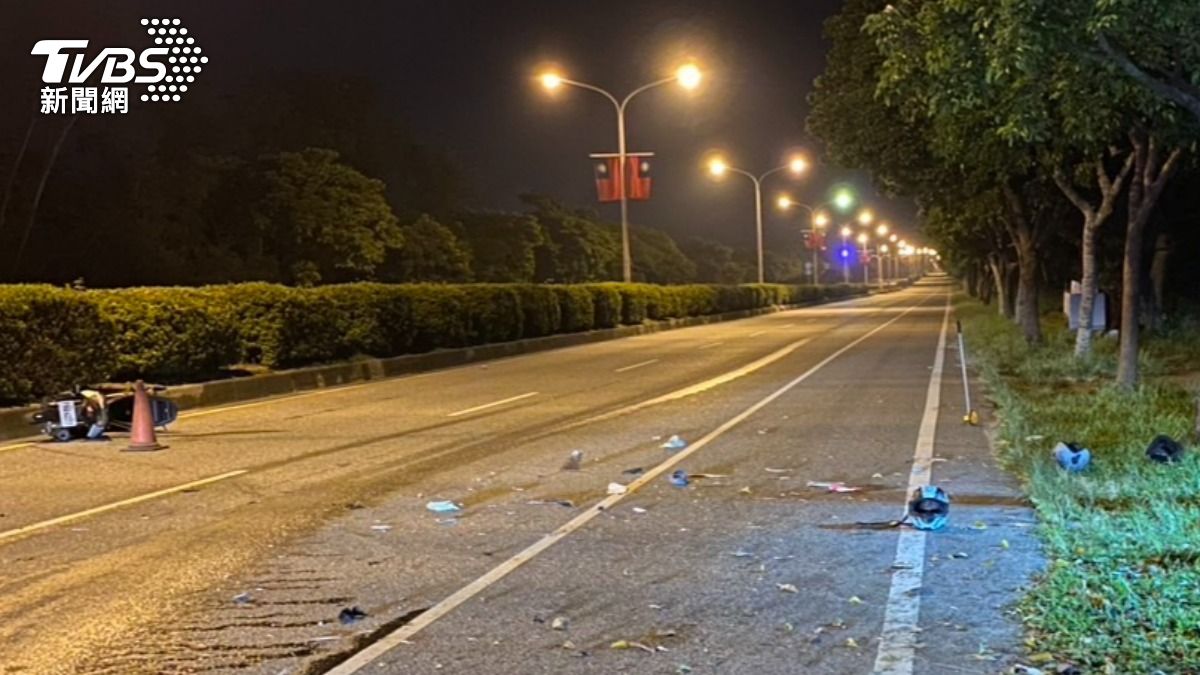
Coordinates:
796	166
689	77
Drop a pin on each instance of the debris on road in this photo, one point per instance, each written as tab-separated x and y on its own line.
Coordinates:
444	506
351	615
1072	457
742	554
770	470
559	623
381	527
617	489
929	508
745	491
638	509
628	644
675	443
710	475
851	643
787	588
559	502
837	487
635	471
855	600
243	599
1164	450
574	460
679	478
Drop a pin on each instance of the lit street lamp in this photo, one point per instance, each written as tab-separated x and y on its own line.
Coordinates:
718	167
820	219
688	77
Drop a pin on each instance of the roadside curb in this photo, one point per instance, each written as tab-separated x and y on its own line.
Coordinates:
14	424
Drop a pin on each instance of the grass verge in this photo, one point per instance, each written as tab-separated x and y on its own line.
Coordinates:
1121	591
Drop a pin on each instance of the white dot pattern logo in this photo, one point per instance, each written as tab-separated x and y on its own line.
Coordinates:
167	34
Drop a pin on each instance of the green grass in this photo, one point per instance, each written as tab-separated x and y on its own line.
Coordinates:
1121	591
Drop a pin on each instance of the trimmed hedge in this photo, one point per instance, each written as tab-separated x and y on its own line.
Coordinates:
52	338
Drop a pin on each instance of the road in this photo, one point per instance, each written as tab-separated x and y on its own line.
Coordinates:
235	549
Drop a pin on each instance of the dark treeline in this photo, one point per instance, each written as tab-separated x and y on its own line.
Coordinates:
277	184
1042	142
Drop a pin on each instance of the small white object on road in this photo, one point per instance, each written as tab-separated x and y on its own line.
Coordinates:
617	489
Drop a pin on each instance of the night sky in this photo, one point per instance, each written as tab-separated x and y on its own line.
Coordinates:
460	76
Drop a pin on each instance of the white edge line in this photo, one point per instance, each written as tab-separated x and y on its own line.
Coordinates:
493	404
401	635
116	505
635	366
901	619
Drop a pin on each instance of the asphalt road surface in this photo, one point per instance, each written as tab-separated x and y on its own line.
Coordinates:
236	549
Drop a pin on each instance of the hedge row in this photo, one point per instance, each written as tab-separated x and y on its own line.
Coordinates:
52	338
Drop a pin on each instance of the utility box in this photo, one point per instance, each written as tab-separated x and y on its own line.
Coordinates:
1071	302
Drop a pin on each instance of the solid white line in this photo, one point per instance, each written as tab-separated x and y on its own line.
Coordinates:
697	388
635	366
401	635
709	345
493	404
116	505
898	641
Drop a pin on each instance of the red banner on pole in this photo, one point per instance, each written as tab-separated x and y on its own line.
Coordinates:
608	179
639	178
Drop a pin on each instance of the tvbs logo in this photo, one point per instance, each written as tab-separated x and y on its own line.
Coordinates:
166	69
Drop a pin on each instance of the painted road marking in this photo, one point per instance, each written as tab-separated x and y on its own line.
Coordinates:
635	366
493	404
17	446
710	345
116	505
404	633
898	642
275	399
697	388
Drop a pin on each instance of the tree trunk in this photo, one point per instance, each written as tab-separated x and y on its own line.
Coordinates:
1087	297
1010	290
1158	280
1150	174
37	196
1025	241
996	265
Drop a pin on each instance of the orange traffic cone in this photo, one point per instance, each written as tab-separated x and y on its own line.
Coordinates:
141	435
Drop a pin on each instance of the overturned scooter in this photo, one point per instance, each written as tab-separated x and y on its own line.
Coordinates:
88	412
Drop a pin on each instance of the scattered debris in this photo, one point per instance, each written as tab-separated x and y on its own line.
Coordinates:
979	525
243	599
638	509
559	623
354	506
543	502
787	588
929	508
381	527
1004	544
710	475
1024	670
770	470
445	506
574	460
675	443
683	669
628	644
351	615
1164	450
635	471
617	489
679	478
745	490
855	600
1072	457
838	487
959	556
851	643
742	554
